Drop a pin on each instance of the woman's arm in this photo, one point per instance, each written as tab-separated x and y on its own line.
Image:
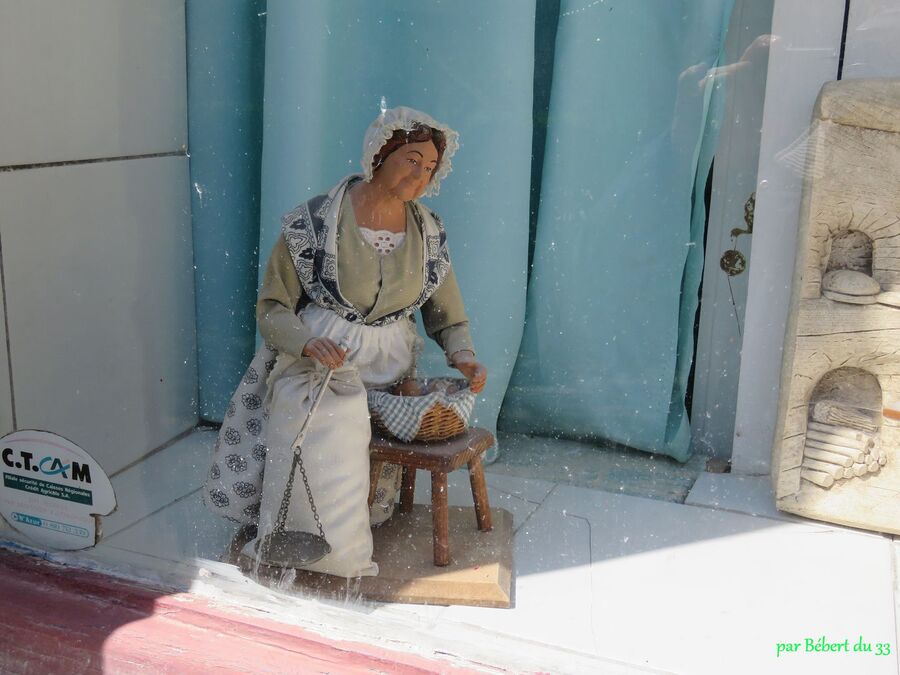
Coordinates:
446	323
276	305
445	318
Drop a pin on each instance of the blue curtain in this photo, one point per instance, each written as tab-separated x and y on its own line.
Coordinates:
608	335
468	64
678	428
225	47
617	239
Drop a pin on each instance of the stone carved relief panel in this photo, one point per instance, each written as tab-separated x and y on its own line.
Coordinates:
835	455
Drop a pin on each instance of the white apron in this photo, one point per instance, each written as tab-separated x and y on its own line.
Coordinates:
336	448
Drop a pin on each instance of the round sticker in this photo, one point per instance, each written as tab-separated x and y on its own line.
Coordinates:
52	489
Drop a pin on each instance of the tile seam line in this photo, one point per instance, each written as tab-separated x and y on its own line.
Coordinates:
591	561
194	560
819	525
94	160
12	389
531	515
690	487
154	451
107	537
537	505
513	494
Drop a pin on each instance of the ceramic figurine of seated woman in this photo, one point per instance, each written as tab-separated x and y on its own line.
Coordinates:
351	267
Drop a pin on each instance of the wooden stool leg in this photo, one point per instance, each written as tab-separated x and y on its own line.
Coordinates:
480	495
374	474
440	518
407	489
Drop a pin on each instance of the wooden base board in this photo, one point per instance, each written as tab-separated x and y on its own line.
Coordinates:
479	573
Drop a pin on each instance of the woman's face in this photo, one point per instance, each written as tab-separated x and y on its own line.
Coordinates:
407	171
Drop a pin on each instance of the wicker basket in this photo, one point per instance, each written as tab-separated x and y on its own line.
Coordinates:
439	421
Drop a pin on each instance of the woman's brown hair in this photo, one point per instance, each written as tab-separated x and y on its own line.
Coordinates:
418	134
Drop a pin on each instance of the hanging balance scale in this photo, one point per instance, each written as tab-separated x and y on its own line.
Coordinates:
293	548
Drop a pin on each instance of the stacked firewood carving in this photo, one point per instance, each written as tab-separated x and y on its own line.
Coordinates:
841	443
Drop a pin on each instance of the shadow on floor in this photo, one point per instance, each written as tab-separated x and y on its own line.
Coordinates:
597	466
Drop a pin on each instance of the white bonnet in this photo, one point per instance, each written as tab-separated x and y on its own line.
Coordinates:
402	117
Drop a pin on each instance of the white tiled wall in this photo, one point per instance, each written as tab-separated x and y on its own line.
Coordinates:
97	256
88	79
99	285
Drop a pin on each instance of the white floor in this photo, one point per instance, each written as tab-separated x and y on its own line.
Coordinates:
604	582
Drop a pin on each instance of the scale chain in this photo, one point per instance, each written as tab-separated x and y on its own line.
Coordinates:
286	499
298	461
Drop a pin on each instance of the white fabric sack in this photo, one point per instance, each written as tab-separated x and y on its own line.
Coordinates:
336	458
336	448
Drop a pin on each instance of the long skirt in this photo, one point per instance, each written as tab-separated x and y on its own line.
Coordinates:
335	451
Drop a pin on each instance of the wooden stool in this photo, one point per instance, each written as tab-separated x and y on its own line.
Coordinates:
440	458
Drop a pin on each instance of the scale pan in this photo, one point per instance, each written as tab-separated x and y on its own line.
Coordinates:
292	549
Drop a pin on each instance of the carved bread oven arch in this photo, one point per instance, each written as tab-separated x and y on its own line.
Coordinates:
835	455
851	250
843	426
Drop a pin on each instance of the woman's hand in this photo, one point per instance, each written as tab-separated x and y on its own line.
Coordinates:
464	361
325	351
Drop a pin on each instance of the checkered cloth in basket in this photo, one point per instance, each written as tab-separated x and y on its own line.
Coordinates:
405	417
